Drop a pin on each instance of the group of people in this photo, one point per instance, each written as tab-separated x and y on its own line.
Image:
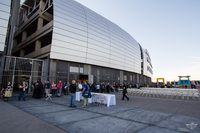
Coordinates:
42	90
7	91
86	92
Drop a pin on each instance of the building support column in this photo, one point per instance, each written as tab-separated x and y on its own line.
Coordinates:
3	60
42	4
37	45
40	20
121	77
40	23
22	53
52	71
98	76
87	71
138	78
24	35
45	69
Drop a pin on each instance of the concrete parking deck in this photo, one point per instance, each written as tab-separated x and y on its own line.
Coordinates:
140	115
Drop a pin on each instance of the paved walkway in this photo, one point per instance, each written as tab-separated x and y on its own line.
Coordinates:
139	115
14	120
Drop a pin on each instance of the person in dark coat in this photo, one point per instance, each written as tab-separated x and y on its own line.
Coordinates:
35	85
41	89
72	90
125	92
108	88
38	90
102	87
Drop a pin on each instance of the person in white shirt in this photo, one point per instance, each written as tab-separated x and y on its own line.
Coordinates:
98	87
80	86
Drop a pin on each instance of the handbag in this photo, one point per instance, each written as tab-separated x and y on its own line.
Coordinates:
85	94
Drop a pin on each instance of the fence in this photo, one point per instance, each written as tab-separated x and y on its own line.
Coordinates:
17	69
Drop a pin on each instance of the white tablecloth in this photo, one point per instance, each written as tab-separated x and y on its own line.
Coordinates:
110	99
78	96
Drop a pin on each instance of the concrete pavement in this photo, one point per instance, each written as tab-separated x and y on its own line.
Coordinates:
139	115
14	120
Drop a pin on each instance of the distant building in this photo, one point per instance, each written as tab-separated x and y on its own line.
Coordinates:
77	43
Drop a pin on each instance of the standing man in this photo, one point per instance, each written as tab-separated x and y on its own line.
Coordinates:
72	90
125	92
22	89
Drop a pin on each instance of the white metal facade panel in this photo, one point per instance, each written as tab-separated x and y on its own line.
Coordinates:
81	35
147	64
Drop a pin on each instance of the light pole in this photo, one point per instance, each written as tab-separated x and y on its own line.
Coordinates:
13	75
30	79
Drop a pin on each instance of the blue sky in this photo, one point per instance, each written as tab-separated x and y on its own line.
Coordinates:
169	29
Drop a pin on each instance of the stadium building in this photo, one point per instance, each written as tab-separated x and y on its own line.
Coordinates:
77	43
